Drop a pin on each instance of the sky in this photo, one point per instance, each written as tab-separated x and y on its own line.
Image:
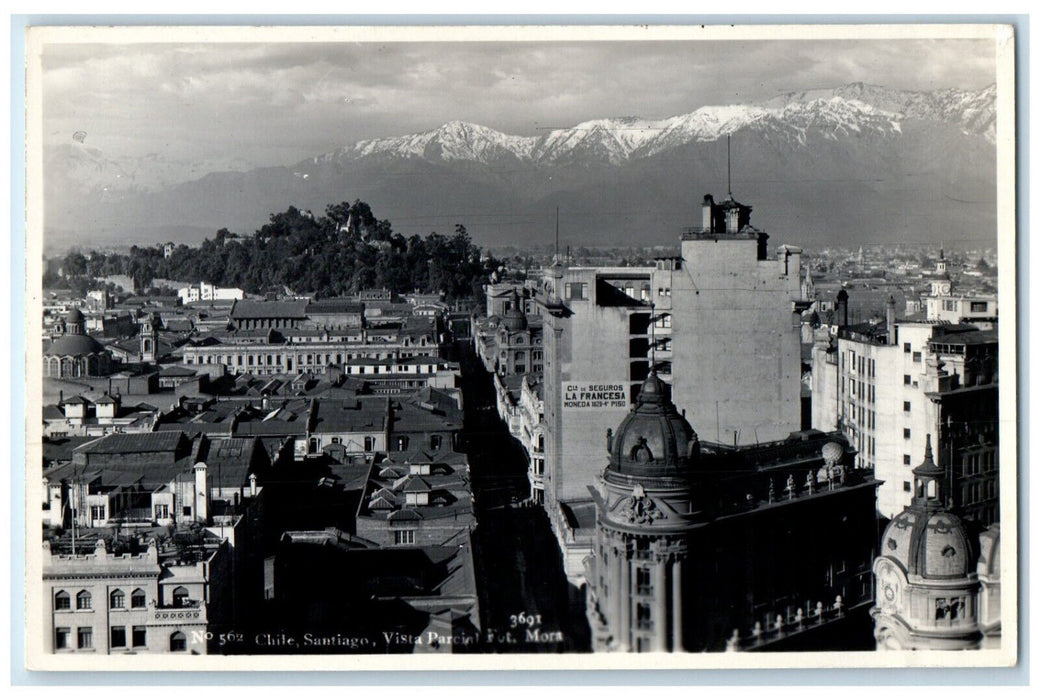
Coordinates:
255	104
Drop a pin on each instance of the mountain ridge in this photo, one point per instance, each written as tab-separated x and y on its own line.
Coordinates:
874	150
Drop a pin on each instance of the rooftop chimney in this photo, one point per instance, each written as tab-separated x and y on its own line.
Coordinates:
890	319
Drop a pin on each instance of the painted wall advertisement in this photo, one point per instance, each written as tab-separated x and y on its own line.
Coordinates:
594	396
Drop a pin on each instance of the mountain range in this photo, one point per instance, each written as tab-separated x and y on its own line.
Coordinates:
844	166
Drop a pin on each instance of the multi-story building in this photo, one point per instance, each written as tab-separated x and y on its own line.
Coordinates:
510	342
78	416
172	597
705	547
532	434
942	303
887	384
208	292
720	323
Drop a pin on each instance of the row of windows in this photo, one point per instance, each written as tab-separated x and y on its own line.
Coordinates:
117	638
116	599
859	364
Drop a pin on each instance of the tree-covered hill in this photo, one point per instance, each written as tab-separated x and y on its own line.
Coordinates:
342	252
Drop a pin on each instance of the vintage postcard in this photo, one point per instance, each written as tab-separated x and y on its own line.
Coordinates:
521	347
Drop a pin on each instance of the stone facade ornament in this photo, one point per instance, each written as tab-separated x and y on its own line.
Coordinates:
639	508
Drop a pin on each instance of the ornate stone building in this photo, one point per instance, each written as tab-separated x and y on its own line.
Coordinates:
73	353
700	546
647	504
934	590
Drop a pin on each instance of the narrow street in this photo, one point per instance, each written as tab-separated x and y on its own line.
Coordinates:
523	589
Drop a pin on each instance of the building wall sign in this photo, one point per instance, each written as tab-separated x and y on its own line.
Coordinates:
594	396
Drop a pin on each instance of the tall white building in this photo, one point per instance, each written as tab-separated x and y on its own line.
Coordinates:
886	385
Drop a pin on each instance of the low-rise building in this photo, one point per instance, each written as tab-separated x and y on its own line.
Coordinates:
170	597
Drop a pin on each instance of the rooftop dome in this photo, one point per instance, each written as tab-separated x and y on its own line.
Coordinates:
513	319
653	440
74	316
926	539
74	346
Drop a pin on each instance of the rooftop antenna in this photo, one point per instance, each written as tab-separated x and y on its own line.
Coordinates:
729	170
557	234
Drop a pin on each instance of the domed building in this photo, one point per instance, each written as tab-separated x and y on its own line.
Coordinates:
701	546
646	506
73	353
927	572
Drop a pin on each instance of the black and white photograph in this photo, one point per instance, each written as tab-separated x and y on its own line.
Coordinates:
485	347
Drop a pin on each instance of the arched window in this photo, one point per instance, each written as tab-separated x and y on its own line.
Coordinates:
178	642
138	599
117	599
62	601
83	600
180	596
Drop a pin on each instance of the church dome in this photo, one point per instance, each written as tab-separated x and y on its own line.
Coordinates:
930	545
653	440
927	540
74	346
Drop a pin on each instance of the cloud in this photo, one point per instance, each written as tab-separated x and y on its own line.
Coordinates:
275	103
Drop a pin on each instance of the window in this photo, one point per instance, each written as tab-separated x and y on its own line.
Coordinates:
83	601
404	536
180	596
643	585
906	406
906	486
97	512
906	379
186	511
979	306
643	617
369	443
906	347
162	511
118	637
906	433
85	638
117	599
917	357
138	599
62	601
576	290
435	442
906	460
139	636
61	638
402	444
178	642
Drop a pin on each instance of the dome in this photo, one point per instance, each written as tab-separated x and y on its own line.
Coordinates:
74	346
74	317
653	439
514	320
930	544
926	539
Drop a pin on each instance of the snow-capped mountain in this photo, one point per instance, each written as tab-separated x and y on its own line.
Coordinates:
854	162
855	109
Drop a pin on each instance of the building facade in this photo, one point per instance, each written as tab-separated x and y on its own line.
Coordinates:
704	547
